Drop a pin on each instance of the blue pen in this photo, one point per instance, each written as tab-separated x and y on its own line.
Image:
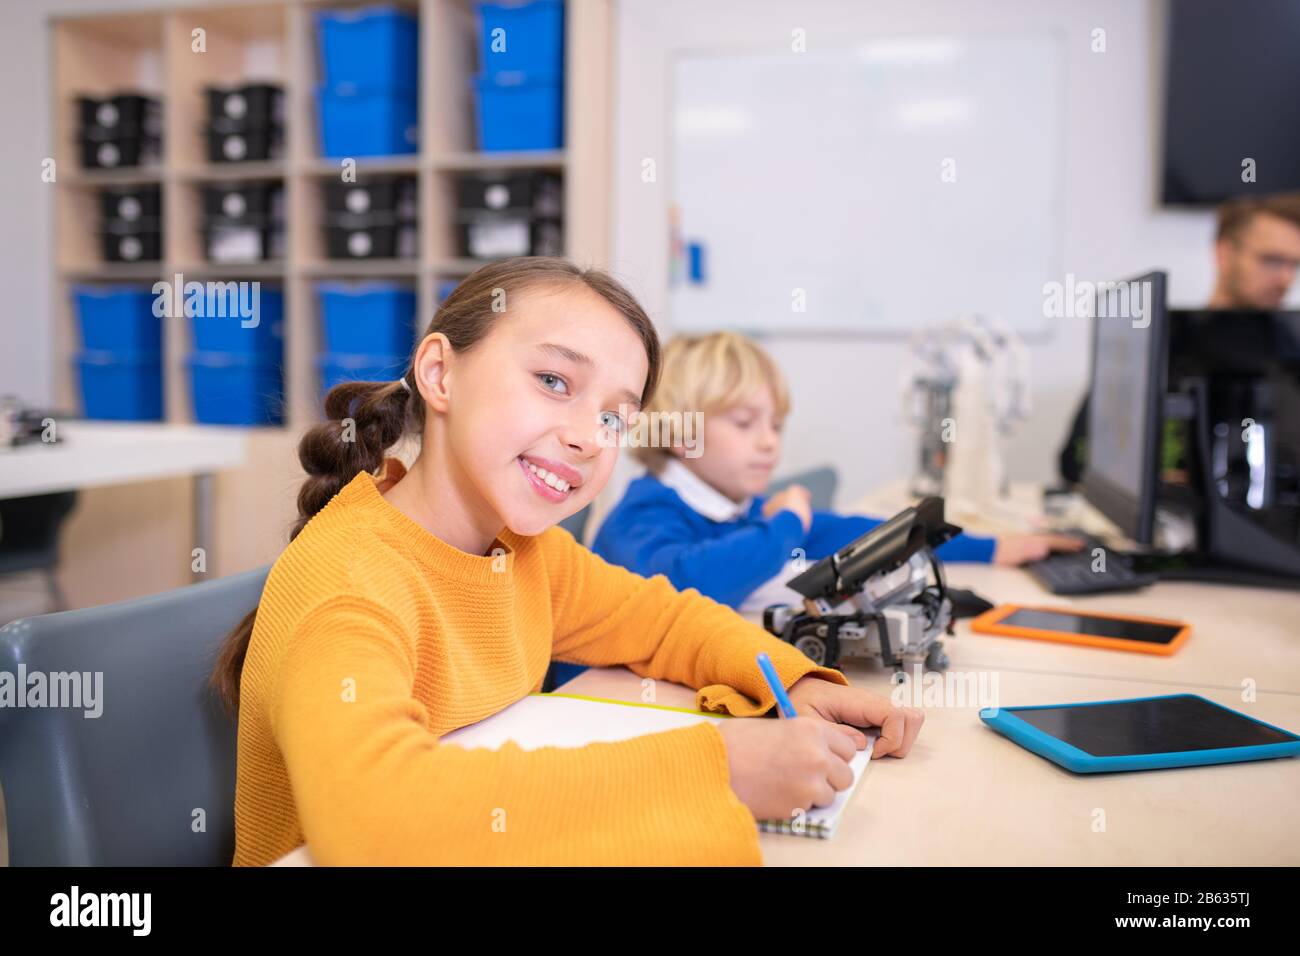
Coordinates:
774	682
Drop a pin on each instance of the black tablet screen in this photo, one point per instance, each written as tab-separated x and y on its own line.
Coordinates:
1092	626
1159	726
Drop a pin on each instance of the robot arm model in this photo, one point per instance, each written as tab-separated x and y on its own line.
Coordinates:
874	597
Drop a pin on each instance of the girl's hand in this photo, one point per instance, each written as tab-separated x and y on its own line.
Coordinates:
780	766
851	707
1013	550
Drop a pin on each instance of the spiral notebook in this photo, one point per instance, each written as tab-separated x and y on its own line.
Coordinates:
570	720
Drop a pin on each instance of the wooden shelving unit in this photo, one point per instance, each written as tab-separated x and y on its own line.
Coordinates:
106	52
463	162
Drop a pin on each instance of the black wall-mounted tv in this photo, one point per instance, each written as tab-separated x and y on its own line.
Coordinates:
1232	92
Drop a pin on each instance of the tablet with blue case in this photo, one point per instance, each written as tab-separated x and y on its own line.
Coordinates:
1145	733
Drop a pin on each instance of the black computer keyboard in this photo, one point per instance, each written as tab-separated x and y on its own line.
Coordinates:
1075	573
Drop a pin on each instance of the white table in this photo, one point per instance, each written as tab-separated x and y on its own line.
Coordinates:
91	454
1020	511
967	796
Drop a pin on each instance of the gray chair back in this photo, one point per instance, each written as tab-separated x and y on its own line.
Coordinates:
151	780
820	482
576	523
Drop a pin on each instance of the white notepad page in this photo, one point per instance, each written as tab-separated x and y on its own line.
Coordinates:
558	720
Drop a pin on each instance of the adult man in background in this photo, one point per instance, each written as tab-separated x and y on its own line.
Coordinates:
1256	256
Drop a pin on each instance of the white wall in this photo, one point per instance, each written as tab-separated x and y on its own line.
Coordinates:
26	206
847	406
1111	226
25	254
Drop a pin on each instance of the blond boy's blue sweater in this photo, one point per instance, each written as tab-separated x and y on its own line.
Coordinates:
653	531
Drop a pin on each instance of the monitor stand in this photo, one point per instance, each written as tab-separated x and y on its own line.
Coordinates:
1191	566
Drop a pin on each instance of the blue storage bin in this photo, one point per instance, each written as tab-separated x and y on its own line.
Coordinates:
227	333
118	318
446	288
337	367
122	386
533	37
367	124
229	388
374	48
527	114
367	317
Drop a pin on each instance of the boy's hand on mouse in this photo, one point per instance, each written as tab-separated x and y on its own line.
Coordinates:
795	498
1013	550
849	708
780	766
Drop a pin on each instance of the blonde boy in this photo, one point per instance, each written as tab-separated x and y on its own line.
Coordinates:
704	520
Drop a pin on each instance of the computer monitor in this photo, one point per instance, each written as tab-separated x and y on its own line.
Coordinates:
1249	364
1129	353
1234	343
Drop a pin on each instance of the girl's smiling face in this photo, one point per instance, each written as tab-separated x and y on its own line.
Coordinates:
532	413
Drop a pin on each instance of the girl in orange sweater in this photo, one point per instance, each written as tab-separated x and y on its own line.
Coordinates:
412	603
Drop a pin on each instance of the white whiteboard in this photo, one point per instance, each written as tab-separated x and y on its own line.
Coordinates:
825	172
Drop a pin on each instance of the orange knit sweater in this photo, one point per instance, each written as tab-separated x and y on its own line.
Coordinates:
374	638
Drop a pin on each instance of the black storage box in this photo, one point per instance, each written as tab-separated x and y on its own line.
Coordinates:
243	145
498	236
246	239
131	241
120	112
106	151
252	106
538	194
263	198
131	203
374	235
393	194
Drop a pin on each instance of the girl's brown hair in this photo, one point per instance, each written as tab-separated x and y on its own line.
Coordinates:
384	412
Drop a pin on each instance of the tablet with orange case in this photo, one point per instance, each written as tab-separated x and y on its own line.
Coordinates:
1116	632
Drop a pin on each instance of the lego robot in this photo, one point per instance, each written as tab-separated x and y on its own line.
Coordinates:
874	598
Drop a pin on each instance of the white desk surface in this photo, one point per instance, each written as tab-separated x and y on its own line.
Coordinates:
1239	634
1020	511
968	796
92	453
